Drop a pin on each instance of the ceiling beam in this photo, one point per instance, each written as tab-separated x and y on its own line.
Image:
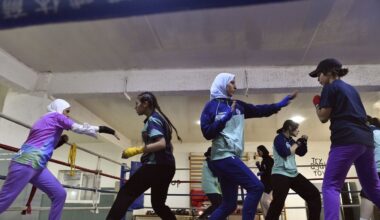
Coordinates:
198	81
15	74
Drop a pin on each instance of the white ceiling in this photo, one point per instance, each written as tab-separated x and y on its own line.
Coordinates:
288	33
282	34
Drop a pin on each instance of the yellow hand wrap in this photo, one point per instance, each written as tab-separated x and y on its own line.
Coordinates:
71	159
132	151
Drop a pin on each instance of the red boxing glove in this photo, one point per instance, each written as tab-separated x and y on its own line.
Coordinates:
316	100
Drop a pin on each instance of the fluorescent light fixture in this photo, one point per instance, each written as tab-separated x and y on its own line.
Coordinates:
198	122
298	118
376	105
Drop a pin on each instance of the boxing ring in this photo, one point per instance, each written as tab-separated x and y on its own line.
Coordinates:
102	198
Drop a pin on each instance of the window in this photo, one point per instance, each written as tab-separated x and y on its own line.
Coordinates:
80	179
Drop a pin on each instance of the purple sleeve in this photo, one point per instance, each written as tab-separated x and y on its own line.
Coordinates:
64	122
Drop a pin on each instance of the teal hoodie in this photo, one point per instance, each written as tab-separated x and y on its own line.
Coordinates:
210	183
284	160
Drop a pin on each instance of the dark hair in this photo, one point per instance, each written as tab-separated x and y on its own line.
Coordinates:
208	152
373	121
152	100
263	149
289	125
339	72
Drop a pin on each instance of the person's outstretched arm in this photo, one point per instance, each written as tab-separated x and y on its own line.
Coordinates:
85	128
266	110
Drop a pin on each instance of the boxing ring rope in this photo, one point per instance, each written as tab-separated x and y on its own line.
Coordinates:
97	190
174	182
14	149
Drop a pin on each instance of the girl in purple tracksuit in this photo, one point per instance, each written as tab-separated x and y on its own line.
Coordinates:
29	164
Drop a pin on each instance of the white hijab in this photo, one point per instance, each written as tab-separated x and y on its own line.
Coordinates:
58	105
219	86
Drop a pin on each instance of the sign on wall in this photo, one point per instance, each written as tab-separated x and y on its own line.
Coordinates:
317	166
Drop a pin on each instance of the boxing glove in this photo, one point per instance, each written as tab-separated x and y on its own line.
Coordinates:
107	130
62	140
316	100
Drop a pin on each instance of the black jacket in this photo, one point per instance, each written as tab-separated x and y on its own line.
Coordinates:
266	172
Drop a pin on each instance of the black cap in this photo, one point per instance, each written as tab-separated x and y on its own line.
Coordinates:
326	65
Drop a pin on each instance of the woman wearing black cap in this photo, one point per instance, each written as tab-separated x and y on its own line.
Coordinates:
265	172
351	138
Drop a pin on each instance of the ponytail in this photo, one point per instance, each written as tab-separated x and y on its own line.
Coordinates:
342	72
279	131
152	100
373	121
339	72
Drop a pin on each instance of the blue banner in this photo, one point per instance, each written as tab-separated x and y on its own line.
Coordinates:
18	13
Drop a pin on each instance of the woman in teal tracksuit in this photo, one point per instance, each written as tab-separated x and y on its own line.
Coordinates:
210	186
285	175
222	121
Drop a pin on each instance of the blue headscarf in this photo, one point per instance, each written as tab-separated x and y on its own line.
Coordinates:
218	87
